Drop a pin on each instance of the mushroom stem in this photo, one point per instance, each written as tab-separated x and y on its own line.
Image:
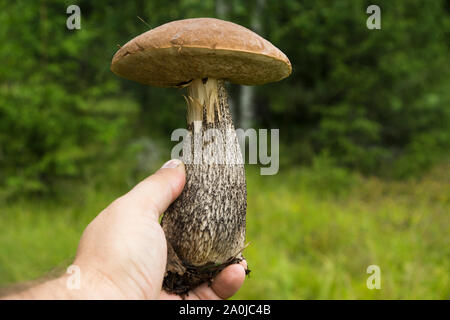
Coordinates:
202	102
205	226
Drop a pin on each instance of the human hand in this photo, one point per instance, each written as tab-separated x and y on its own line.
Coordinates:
123	250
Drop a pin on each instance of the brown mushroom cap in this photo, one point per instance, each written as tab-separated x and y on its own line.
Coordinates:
179	51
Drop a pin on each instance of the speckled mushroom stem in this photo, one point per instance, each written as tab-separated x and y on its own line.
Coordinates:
205	226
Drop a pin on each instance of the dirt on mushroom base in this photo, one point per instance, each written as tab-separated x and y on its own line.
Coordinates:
195	276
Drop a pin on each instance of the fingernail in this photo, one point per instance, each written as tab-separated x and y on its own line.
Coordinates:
171	164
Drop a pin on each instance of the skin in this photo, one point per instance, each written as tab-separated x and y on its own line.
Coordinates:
122	253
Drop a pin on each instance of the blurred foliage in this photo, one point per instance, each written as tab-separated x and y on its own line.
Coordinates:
373	100
368	97
321	231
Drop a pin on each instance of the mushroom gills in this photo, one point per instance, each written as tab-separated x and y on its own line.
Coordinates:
205	226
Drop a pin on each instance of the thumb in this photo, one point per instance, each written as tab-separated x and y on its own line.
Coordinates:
153	195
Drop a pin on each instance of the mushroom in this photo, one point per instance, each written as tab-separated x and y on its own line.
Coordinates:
205	226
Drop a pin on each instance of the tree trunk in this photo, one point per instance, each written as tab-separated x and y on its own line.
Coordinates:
246	103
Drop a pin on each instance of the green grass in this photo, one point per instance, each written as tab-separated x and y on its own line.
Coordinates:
312	233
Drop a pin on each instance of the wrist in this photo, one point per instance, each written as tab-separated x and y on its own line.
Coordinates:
79	283
83	282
